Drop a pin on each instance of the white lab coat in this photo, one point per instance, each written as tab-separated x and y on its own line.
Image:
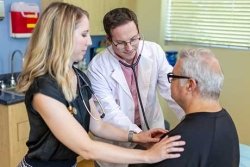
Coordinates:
110	86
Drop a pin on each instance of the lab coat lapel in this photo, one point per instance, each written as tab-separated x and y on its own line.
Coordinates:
144	77
119	77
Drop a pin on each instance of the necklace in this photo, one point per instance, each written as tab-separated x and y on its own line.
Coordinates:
70	107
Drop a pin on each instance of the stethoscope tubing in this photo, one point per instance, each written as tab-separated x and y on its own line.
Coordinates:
133	66
102	113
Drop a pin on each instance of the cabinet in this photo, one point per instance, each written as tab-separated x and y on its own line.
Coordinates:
14	132
14	128
97	9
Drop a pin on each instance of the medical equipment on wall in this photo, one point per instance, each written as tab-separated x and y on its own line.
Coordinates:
99	106
171	57
133	66
23	18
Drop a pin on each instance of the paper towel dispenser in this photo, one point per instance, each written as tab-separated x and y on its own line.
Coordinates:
1	9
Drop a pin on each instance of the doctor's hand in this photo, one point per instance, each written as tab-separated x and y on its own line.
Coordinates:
167	148
149	137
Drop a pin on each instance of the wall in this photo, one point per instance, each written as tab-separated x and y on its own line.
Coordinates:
235	64
8	44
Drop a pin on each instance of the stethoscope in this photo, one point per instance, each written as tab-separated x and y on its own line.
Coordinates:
101	110
133	67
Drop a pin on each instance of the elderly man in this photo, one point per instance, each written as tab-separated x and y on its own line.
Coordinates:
209	132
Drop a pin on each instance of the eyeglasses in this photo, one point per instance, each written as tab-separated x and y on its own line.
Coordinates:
171	76
122	44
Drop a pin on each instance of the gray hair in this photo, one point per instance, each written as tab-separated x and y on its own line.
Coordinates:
202	65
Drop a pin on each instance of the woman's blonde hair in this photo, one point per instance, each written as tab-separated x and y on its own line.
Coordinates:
51	47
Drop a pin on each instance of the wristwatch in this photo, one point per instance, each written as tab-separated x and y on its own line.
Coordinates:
130	135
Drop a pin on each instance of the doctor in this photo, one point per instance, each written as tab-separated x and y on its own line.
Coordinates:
126	75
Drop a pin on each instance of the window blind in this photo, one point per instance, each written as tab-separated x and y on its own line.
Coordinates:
219	23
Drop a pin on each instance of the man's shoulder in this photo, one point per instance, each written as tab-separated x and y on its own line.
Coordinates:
152	48
189	129
151	44
102	57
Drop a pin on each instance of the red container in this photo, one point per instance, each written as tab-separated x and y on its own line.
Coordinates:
23	18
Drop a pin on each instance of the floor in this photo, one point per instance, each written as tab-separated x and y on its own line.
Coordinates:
85	163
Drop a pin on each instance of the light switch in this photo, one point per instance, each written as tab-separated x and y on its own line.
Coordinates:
1	9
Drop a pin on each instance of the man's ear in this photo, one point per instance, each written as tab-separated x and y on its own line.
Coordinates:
191	84
109	39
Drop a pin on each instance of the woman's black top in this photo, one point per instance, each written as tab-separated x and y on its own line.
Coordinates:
44	149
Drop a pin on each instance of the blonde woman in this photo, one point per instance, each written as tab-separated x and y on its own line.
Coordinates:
59	100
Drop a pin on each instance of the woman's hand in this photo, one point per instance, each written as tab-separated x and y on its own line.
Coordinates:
167	148
149	137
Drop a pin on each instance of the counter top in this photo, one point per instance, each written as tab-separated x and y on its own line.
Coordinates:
7	98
